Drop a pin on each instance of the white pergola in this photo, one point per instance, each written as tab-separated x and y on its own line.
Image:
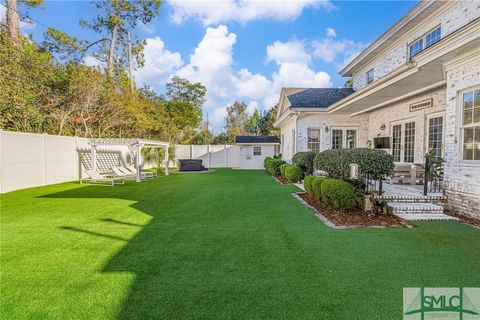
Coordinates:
134	145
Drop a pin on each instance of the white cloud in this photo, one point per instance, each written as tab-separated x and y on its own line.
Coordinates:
212	63
214	12
292	51
252	85
331	32
293	69
159	63
148	28
93	62
342	51
252	106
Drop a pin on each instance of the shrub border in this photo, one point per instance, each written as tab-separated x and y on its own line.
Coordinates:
330	224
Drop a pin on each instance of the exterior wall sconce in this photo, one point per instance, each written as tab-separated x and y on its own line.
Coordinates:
382	127
327	129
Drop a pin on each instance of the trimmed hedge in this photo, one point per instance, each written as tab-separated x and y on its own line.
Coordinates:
316	188
307	184
272	166
337	162
338	193
305	160
282	169
293	173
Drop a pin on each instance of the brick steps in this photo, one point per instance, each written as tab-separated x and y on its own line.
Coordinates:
418	211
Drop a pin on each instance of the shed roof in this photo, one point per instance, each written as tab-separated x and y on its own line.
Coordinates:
256	140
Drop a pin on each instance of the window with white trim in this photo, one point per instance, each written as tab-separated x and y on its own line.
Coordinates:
344	138
370	76
471	125
433	37
396	142
257	151
425	41
313	137
435	136
351	137
337	139
409	147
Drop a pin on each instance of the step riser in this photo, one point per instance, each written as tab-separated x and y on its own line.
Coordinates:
413	199
425	217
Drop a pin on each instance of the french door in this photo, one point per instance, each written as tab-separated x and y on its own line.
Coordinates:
403	142
435	136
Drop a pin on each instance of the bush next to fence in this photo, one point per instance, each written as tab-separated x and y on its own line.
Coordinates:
338	193
282	169
305	160
293	173
377	163
272	166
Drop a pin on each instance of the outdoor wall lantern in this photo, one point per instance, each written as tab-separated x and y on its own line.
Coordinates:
382	127
327	129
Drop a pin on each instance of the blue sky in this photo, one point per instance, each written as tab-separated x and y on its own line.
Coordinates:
245	50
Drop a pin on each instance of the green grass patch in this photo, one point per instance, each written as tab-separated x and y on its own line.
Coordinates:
225	244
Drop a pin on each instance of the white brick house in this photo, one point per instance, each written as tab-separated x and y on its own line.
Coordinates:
417	86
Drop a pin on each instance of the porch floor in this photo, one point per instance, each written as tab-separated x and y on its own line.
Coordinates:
406	190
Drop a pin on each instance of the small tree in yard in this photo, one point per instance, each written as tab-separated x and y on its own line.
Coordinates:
156	156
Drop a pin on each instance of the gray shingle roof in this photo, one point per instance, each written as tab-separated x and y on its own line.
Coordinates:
256	139
318	97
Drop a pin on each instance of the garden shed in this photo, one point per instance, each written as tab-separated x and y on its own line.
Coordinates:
254	149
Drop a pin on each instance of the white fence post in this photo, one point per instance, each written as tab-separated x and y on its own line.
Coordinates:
225	149
1	160
44	159
209	156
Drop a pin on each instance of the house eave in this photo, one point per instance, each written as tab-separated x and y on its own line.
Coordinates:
412	18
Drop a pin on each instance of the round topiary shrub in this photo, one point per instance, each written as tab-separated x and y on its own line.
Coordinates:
282	169
339	194
305	161
265	161
317	187
336	162
293	173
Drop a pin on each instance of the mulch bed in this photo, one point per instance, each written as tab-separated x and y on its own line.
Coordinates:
352	218
282	180
464	219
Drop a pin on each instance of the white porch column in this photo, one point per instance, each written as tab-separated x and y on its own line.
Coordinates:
166	161
137	163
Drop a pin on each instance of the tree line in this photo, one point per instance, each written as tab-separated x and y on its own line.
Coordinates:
46	88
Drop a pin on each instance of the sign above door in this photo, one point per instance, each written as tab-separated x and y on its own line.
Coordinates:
427	103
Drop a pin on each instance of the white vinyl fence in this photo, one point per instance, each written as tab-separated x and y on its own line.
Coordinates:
212	156
31	160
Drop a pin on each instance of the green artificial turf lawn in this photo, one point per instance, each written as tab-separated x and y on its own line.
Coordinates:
226	244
